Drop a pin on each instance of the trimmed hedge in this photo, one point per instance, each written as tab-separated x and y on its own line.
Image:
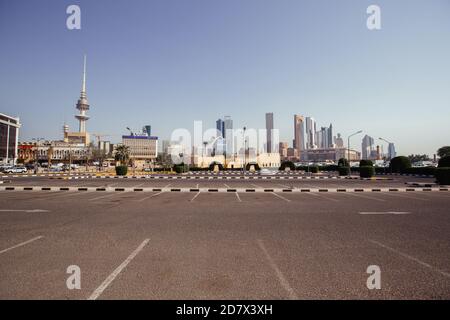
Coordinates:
121	170
400	164
344	171
249	165
429	171
444	162
443	176
212	166
287	164
343	162
314	169
180	168
366	172
366	163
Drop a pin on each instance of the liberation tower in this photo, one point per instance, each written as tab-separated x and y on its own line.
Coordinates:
82	103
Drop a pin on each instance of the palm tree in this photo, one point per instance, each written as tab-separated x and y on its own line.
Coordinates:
122	154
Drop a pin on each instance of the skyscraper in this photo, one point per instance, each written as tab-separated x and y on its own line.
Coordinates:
228	125
299	134
330	136
82	103
367	147
269	129
220	126
391	151
310	133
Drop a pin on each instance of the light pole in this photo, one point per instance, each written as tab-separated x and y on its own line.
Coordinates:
245	151
348	148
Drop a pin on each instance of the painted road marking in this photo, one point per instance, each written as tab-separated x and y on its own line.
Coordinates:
21	244
97	292
25	210
102	197
407	256
195	196
237	196
281	197
388	212
284	283
322	196
153	195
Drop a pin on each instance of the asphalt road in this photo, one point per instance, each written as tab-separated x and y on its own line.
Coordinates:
223	246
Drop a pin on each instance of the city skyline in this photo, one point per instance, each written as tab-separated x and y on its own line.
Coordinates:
374	93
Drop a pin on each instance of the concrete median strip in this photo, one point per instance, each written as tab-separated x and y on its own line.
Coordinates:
221	190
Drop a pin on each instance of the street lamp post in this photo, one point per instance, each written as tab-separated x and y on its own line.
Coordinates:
245	151
348	148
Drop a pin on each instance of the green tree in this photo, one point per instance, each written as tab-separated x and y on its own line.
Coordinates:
418	157
122	154
343	162
399	164
443	151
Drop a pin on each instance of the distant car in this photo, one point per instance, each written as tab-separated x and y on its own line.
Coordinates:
16	170
148	170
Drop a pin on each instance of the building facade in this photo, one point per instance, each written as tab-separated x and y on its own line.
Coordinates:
299	134
332	154
269	132
143	149
9	138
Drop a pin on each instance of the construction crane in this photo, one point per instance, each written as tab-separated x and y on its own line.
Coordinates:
99	137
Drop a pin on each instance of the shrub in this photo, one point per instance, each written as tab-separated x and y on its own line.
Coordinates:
121	170
180	168
214	164
366	163
287	164
444	162
331	167
344	171
429	171
314	169
343	162
366	171
443	176
249	165
400	164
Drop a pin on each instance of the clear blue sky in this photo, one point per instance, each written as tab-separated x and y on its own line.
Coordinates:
170	62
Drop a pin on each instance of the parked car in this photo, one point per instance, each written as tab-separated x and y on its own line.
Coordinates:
16	169
266	172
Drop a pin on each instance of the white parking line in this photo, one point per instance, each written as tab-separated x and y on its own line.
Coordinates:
195	197
407	256
226	186
281	197
321	196
105	196
97	292
284	283
237	196
388	212
21	244
364	196
66	194
153	195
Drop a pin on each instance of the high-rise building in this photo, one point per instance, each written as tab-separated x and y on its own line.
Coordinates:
339	141
228	135
330	136
9	138
228	125
310	133
282	149
269	131
147	130
220	126
367	148
299	134
391	151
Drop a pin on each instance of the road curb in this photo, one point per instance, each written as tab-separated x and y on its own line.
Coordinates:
223	190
